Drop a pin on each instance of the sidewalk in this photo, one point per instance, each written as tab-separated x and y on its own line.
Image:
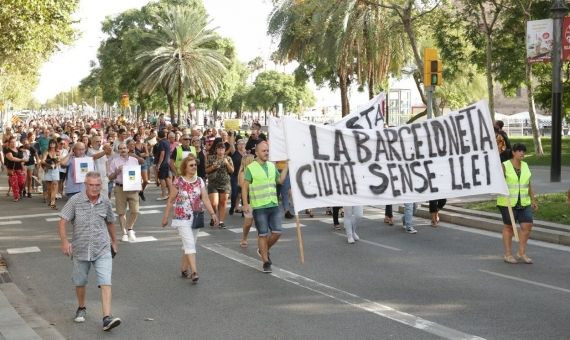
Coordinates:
17	319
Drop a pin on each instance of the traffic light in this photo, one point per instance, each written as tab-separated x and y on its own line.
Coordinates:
433	68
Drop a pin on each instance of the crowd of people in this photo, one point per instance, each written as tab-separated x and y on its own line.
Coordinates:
196	170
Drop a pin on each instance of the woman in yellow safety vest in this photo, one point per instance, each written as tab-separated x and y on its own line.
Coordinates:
521	199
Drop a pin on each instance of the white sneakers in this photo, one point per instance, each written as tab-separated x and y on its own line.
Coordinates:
132	237
125	238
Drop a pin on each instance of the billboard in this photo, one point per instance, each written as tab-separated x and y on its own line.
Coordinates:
539	40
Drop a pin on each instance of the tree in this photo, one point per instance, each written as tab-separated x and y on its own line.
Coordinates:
271	88
30	31
179	56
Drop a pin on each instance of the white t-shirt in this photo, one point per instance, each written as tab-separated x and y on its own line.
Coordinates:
100	163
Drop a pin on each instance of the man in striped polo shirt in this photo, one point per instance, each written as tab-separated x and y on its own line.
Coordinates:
92	244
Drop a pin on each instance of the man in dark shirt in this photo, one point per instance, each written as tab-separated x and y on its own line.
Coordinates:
162	166
254	139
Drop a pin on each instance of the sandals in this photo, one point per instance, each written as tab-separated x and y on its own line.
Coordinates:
53	206
194	277
389	220
510	259
524	259
243	243
336	227
185	274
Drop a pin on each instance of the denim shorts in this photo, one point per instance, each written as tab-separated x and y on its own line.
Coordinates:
103	270
523	215
267	219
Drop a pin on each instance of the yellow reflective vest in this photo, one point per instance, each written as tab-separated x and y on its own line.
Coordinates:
262	190
517	186
179	159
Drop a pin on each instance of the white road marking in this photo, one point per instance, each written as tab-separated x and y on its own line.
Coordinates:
499	236
23	250
52	219
144	212
144	239
203	234
236	230
10	222
345	297
57	214
291	225
371	243
525	281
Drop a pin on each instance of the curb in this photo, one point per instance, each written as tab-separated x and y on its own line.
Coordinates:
541	231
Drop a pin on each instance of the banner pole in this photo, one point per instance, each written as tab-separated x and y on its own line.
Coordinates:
515	230
300	239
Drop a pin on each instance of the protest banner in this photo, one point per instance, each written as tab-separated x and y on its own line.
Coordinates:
132	178
446	157
232	124
81	166
368	116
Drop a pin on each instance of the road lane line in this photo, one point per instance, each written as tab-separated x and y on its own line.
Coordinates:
525	281
291	225
57	214
52	219
371	243
144	212
144	239
499	236
23	250
10	222
344	297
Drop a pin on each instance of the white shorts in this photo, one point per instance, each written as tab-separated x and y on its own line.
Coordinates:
189	237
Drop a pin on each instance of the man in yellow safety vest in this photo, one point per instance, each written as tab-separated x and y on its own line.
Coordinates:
181	152
521	199
259	194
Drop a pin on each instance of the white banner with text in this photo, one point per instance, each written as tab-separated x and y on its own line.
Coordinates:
446	157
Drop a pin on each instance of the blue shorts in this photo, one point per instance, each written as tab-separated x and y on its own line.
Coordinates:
103	270
523	215
266	220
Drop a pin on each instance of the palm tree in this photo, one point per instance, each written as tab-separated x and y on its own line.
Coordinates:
182	55
342	41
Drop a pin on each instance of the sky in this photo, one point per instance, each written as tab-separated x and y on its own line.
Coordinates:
244	21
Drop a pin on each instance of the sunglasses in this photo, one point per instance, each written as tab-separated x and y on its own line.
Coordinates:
193	165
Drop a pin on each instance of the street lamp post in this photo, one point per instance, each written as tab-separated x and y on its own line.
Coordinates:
558	10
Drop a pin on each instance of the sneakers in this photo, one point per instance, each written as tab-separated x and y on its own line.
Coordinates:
110	322
222	225
350	239
58	196
267	267
132	237
80	314
411	230
125	238
355	237
268	258
288	215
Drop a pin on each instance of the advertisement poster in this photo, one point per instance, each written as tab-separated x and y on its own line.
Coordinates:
566	39
539	40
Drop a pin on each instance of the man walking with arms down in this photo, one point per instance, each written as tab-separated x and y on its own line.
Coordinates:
92	243
260	180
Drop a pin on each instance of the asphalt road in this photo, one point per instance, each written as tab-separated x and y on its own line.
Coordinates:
448	282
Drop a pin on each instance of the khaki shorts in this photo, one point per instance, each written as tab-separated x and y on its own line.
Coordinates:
121	199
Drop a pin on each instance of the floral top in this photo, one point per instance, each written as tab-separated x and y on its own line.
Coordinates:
188	198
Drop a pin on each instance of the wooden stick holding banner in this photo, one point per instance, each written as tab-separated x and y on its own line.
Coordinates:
513	223
300	239
298	224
